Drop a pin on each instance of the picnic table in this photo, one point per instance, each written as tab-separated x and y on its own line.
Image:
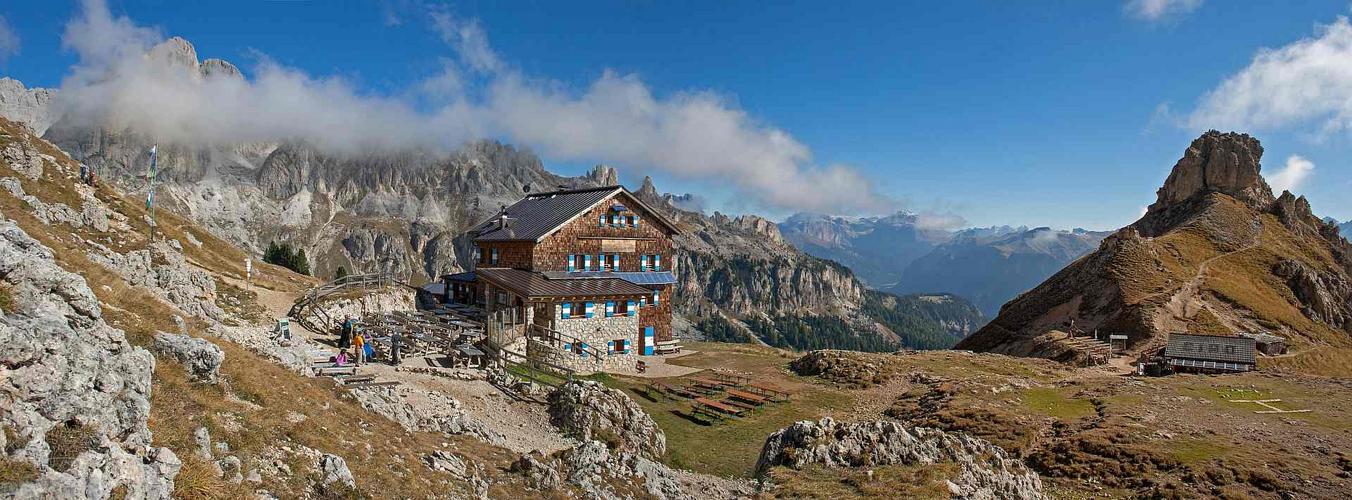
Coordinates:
712	384
667	347
770	391
668	389
731	378
748	397
718	407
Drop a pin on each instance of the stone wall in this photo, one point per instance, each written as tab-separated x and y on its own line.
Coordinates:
596	331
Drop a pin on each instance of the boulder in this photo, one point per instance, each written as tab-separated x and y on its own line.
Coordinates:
985	470
75	393
590	411
200	357
334	471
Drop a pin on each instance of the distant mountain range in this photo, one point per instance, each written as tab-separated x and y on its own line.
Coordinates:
901	253
991	267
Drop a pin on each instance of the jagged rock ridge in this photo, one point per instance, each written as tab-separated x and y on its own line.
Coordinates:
1217	253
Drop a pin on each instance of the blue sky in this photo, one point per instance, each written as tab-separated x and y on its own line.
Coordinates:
1066	114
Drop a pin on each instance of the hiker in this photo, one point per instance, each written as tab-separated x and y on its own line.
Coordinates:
359	347
345	335
84	173
340	359
396	338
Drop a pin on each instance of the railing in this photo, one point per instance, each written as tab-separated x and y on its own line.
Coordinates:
556	339
365	282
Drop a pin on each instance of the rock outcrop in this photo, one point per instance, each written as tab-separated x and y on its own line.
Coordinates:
441	413
1217	253
163	270
201	358
75	394
1215	162
985	470
30	107
591	411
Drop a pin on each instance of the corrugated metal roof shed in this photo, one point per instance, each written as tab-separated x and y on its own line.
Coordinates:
1211	348
529	284
1264	338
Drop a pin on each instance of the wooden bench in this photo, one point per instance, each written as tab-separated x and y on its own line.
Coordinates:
718	407
667	389
769	391
666	347
738	404
748	397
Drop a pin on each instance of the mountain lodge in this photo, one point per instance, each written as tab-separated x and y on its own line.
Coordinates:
582	273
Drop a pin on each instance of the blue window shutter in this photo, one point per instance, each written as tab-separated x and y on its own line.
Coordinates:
495	255
657	262
617	262
633	311
648	340
603	220
655	297
610	308
636	221
567	346
571	268
626	345
586	262
590	309
567	310
643	263
610	346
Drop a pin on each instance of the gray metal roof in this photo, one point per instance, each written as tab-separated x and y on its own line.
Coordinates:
637	278
1210	348
537	215
530	284
465	277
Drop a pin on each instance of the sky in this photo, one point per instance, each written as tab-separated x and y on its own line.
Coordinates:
1049	113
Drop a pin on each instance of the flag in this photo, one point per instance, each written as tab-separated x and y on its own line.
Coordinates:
150	199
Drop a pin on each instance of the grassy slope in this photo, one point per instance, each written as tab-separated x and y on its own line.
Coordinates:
258	397
1088	433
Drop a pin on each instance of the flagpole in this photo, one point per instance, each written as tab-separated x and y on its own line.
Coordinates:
150	181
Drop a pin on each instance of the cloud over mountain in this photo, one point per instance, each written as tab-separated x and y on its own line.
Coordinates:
1305	83
1156	10
617	118
9	40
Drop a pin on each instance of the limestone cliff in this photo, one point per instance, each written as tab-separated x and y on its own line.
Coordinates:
1217	253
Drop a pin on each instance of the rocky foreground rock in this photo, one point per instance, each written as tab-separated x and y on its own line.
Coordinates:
985	470
75	395
591	411
201	358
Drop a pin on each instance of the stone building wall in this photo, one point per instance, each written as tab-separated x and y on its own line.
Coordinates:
596	331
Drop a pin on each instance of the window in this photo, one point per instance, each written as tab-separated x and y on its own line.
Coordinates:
612	261
619	346
502	298
577	309
631	221
1229	349
621	308
493	256
579	263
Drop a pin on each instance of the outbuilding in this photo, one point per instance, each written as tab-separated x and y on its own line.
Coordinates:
1192	353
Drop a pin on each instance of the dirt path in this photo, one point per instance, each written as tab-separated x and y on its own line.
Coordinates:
1184	303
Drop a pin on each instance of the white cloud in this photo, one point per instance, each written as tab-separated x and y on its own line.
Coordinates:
9	40
1308	82
1156	10
617	119
1296	171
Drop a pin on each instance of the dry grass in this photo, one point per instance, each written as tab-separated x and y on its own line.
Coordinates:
67	441
14	473
891	481
250	411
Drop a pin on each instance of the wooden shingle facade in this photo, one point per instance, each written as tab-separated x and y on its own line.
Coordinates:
591	263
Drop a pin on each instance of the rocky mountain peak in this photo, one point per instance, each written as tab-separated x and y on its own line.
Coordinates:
1217	162
24	105
212	68
647	191
603	175
177	52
